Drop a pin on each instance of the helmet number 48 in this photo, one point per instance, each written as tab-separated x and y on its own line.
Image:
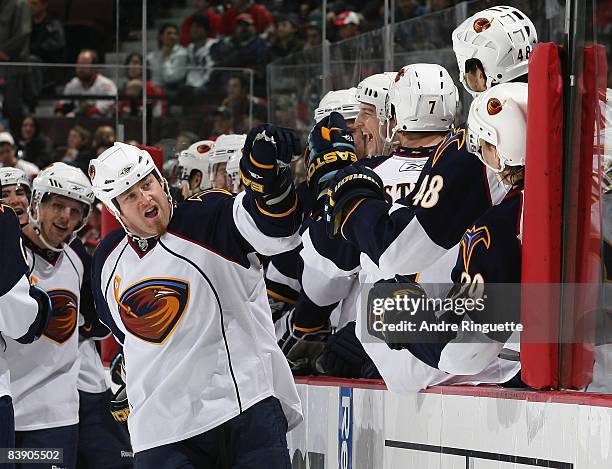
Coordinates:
527	53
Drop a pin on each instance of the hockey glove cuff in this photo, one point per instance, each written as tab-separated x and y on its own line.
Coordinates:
346	189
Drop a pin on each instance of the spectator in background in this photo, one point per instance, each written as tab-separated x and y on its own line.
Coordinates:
15	28
222	123
286	40
33	145
202	54
76	144
8	157
245	48
88	82
262	18
238	101
168	64
313	35
47	41
104	135
408	34
131	105
202	8
347	23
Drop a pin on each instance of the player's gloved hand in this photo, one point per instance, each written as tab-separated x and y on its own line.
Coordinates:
382	320
346	189
119	405
331	147
302	346
39	325
267	153
344	355
117	369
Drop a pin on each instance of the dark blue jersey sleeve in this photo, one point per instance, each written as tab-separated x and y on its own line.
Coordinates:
451	192
13	265
100	257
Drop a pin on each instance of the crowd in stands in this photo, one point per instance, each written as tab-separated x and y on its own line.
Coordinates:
186	73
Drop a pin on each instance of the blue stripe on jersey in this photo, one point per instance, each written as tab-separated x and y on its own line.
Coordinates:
106	246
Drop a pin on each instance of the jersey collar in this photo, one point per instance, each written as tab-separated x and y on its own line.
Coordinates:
141	245
417	152
47	254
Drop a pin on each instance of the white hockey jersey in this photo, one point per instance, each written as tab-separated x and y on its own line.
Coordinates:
18	310
44	374
192	314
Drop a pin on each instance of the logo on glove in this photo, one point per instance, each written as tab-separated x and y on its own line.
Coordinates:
330	158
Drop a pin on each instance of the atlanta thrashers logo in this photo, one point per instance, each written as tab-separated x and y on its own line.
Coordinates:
63	318
481	24
494	106
152	308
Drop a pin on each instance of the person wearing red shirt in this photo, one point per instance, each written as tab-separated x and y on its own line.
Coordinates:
264	23
202	7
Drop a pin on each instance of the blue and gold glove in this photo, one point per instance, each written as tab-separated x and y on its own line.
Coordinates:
331	147
347	188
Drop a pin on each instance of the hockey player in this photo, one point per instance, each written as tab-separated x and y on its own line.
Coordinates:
422	102
16	190
182	290
493	46
372	119
233	174
283	271
193	168
490	250
44	374
225	146
24	311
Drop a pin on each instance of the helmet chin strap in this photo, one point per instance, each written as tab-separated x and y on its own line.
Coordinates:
38	231
137	238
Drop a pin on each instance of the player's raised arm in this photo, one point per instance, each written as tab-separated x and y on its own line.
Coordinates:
24	309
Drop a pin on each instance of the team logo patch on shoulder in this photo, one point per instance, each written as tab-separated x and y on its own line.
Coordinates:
470	239
456	136
152	308
63	318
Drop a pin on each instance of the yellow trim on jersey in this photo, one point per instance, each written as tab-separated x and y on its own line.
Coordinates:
198	197
307	329
278	297
486	241
260	165
458	137
357	204
278	215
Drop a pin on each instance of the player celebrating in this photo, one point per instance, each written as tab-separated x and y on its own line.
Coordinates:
225	146
16	190
192	173
181	288
490	250
44	374
422	103
24	311
372	119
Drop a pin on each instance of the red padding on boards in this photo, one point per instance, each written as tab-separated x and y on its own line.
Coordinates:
541	245
109	346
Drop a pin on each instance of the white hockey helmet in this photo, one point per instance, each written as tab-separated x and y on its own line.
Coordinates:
424	99
196	157
225	146
233	170
117	169
14	176
342	101
499	116
501	37
60	179
373	90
